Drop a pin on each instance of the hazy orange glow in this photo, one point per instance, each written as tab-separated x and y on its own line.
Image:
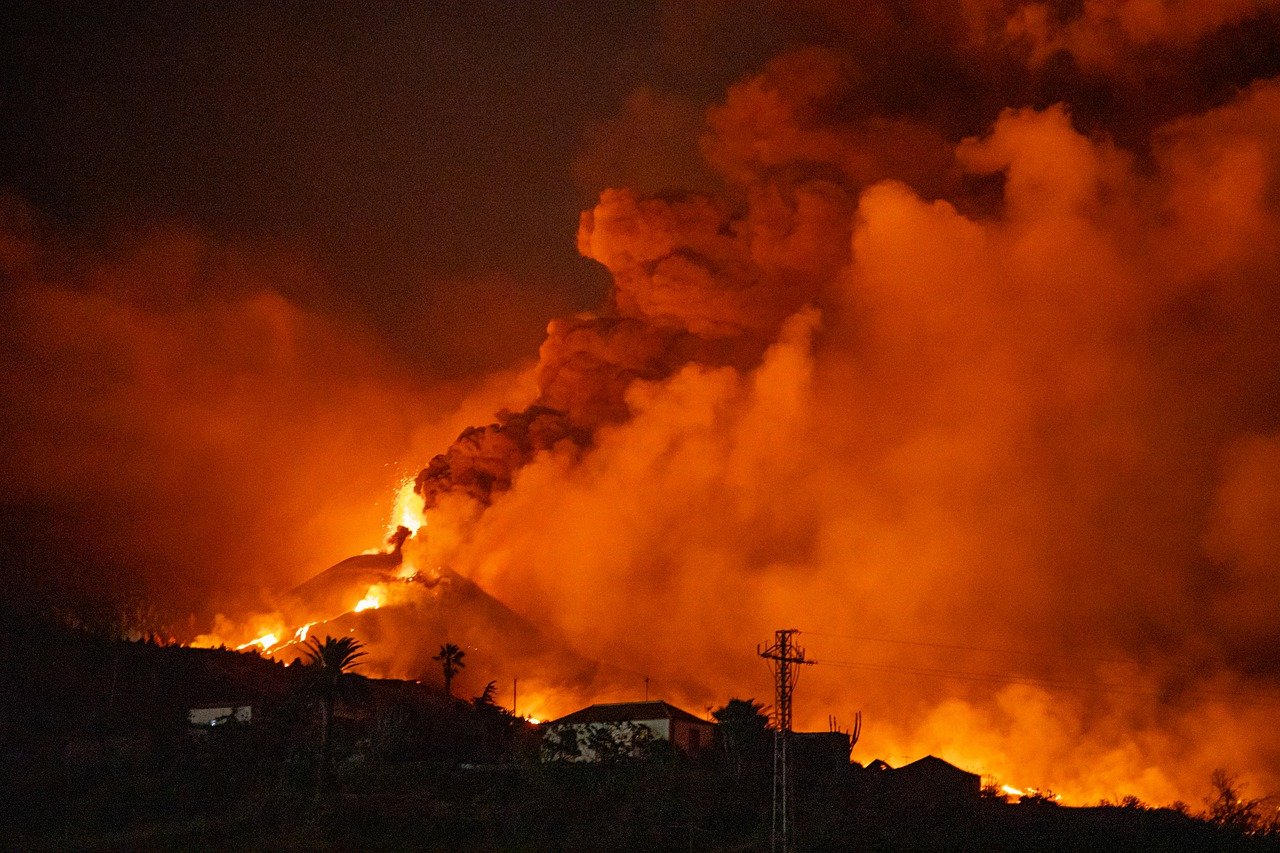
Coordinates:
952	449
990	419
1107	31
864	468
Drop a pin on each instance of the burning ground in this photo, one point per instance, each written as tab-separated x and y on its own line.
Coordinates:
977	385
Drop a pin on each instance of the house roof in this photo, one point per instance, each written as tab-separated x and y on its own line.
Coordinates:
620	712
933	764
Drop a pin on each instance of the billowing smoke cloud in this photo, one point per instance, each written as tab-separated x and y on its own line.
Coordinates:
181	425
960	358
1103	34
1041	421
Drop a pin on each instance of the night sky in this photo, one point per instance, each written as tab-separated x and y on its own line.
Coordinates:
435	156
422	150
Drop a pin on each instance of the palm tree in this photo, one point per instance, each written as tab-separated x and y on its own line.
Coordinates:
450	658
329	662
743	732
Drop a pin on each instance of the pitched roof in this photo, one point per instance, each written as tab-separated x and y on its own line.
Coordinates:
619	712
933	764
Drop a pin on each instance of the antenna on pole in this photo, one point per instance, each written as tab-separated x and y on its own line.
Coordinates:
785	659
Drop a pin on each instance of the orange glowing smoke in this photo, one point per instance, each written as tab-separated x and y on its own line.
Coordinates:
992	419
863	411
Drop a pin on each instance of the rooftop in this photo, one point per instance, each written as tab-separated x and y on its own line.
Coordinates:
619	712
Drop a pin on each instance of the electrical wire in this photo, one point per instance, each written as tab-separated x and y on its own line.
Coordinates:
957	647
1033	681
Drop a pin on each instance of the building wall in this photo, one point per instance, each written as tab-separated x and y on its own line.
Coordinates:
660	728
212	716
691	737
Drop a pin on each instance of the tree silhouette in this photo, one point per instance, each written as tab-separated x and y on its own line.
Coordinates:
451	662
743	733
329	662
487	699
1231	810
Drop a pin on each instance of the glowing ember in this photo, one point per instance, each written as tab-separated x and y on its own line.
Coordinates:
301	633
1020	793
408	509
266	641
371	601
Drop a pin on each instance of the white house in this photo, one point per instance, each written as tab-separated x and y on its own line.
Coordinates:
664	722
215	715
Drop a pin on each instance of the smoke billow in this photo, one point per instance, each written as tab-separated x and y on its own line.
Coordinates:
957	353
183	424
1104	35
864	397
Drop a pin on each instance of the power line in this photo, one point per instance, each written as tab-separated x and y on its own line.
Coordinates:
1034	681
958	647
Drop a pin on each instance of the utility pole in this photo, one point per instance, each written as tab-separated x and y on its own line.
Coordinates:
785	658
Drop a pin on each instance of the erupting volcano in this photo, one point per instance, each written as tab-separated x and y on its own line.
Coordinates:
944	334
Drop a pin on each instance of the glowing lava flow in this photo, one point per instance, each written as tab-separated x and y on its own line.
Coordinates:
407	511
372	599
1029	792
266	641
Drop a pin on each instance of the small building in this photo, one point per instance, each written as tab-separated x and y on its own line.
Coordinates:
932	780
821	752
208	714
619	724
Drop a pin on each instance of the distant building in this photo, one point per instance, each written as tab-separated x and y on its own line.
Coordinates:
928	780
217	714
618	725
821	752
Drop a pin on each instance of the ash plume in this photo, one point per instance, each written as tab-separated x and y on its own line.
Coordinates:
1014	390
945	334
173	405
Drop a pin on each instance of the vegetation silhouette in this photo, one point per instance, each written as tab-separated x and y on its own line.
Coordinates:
411	769
1232	811
743	733
487	699
451	663
328	663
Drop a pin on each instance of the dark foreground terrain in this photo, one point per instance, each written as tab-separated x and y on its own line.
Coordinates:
97	752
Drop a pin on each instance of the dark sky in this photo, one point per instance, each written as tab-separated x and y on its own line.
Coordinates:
432	153
407	176
415	147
